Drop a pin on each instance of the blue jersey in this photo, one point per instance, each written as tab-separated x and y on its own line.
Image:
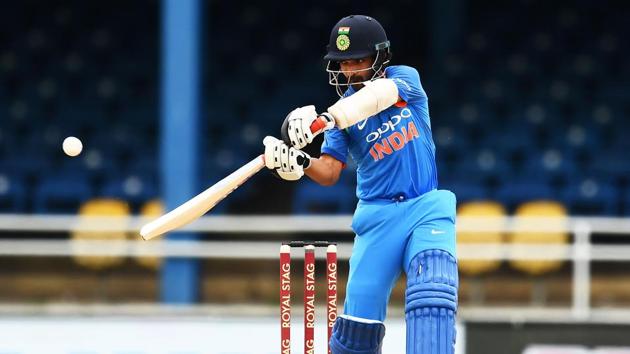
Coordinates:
394	149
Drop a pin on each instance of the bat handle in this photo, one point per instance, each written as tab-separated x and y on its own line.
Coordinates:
318	125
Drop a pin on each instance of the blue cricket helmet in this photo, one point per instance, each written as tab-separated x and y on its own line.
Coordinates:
356	36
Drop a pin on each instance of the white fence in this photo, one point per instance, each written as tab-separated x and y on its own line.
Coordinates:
581	252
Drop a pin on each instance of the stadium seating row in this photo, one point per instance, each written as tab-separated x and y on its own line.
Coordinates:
64	192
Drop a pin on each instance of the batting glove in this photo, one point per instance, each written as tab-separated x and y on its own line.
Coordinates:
296	128
286	162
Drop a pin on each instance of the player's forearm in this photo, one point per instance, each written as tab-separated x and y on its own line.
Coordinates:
322	172
373	98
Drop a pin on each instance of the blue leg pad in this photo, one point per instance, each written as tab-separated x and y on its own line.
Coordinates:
431	303
353	335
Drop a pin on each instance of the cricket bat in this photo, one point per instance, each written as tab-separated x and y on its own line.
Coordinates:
206	200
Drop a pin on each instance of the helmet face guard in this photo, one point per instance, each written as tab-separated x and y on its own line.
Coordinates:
334	71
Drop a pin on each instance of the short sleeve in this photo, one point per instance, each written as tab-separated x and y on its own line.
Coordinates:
407	80
336	144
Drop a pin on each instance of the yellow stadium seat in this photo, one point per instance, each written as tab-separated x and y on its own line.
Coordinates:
150	209
555	215
101	207
495	213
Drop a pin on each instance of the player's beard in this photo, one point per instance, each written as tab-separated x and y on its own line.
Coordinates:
355	80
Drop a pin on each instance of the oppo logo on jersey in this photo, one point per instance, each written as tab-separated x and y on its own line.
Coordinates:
388	126
396	140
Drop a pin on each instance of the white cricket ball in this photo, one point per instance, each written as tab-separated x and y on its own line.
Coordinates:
72	146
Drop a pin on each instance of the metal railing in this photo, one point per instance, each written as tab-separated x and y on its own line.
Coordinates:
581	252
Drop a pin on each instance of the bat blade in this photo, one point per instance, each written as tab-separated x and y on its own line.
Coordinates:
206	200
203	202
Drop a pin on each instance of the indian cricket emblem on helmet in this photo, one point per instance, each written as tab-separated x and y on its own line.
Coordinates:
343	41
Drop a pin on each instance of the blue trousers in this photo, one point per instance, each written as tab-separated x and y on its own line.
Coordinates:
388	236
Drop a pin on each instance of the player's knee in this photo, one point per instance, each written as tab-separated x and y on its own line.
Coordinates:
431	302
353	335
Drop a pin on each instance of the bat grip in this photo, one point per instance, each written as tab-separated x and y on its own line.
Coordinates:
318	125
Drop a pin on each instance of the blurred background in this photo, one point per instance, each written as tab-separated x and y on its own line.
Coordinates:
530	107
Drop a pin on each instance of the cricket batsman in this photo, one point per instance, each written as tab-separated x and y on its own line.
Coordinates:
402	221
